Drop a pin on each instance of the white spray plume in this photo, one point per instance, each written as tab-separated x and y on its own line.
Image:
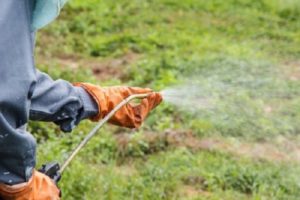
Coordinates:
188	97
238	97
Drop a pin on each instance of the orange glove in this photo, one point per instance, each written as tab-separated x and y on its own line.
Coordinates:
128	116
39	187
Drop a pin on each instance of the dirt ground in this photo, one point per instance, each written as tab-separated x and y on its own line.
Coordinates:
280	149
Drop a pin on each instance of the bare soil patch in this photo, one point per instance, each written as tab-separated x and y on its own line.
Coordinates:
191	192
113	67
280	149
292	70
104	69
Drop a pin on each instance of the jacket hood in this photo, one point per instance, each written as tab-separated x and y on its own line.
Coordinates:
45	11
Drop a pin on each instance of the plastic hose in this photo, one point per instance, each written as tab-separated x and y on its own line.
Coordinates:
97	127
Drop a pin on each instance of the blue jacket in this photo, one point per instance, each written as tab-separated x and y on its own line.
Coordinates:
28	94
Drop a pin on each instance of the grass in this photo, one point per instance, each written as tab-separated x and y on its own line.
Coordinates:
251	47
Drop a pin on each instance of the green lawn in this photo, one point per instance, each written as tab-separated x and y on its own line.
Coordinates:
243	55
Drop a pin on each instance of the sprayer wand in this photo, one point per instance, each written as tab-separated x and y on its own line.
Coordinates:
54	171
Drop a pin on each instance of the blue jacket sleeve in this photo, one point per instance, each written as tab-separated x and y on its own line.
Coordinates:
60	102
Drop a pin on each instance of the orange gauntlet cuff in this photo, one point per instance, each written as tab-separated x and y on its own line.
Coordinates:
39	187
98	97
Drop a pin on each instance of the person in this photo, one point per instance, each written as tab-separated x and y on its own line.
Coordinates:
29	94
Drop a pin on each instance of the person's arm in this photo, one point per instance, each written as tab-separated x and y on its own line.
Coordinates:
60	102
66	105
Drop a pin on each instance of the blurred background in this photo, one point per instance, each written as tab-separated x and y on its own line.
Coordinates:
230	74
